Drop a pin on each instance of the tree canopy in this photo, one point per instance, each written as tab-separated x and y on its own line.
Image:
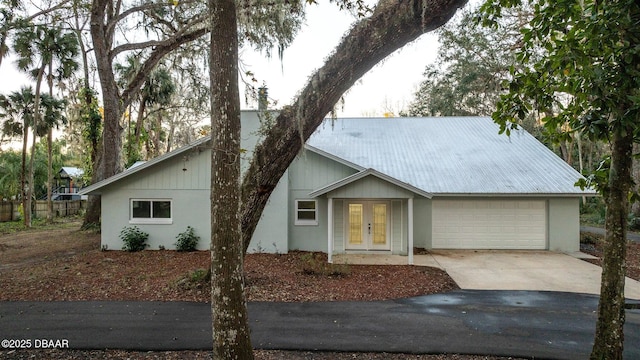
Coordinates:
589	80
472	63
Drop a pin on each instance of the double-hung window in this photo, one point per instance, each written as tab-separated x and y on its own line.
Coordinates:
150	211
306	212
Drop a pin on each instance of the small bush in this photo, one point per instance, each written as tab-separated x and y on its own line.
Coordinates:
134	239
187	241
316	264
91	227
196	279
590	238
634	223
592	212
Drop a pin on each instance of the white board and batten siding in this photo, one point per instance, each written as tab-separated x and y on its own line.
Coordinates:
489	224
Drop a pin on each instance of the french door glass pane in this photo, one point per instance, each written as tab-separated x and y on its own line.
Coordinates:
379	224
355	224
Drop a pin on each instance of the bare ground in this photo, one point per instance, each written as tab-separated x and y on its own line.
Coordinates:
65	264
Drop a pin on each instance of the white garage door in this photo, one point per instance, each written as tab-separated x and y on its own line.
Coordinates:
489	224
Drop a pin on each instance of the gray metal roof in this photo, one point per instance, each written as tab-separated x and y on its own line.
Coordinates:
439	156
449	155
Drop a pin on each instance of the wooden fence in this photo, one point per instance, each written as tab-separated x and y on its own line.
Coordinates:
9	210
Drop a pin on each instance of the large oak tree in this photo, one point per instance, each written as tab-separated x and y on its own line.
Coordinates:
235	212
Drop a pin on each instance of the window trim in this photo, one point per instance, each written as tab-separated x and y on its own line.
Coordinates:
305	222
150	220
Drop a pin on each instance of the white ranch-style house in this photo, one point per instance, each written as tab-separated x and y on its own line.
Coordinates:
369	185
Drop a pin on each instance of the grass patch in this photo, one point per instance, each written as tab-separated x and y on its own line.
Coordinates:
588	238
196	279
39	224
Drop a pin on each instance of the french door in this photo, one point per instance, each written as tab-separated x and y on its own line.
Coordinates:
368	225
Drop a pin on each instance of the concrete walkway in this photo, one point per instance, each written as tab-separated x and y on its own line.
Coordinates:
507	270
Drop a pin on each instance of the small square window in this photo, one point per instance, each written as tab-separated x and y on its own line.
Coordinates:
306	212
147	211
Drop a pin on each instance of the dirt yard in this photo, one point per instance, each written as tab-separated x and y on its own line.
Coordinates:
66	264
63	263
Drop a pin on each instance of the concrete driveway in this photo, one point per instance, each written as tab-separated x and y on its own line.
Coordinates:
508	270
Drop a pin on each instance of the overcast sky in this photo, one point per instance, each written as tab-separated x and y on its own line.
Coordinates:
388	86
392	82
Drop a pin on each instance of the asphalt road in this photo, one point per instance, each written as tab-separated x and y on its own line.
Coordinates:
631	236
548	325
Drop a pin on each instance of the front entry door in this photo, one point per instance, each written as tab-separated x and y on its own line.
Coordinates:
368	225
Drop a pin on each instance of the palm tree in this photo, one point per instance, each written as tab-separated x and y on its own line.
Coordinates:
157	91
45	50
17	112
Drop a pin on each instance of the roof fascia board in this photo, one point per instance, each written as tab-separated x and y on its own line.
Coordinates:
93	189
334	158
364	173
520	195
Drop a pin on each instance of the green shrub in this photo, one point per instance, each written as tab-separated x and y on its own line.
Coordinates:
196	279
187	241
633	222
134	239
592	212
590	238
314	263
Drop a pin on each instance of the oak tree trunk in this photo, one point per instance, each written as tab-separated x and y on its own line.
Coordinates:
393	24
231	336
105	19
108	163
609	337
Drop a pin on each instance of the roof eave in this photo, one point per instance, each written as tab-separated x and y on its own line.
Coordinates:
334	157
95	188
364	173
517	194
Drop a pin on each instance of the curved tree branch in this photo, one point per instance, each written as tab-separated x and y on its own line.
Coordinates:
156	55
393	24
180	34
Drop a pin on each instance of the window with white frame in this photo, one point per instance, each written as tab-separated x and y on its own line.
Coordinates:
150	211
306	212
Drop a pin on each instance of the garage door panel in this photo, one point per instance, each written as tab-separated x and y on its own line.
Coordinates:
489	224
